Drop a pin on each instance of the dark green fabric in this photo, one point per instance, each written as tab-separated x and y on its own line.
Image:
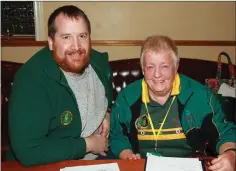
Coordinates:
40	96
198	102
171	148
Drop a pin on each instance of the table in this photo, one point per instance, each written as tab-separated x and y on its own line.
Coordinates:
124	165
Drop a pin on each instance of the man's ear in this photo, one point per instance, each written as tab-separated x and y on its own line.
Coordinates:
50	43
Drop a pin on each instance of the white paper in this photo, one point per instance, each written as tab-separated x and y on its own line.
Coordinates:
96	167
172	164
226	91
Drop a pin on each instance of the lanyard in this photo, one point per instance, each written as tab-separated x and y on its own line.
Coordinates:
151	123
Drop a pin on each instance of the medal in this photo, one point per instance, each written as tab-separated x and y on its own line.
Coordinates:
155	147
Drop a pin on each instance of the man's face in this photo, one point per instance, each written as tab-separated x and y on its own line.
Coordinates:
71	45
159	72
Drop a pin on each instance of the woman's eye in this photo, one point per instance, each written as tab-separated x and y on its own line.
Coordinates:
149	67
165	66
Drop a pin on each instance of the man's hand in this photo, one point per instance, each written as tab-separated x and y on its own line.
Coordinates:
96	144
104	129
224	162
128	154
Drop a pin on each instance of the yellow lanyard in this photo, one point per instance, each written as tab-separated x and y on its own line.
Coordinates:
151	123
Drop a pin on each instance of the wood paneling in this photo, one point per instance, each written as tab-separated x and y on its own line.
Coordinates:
30	41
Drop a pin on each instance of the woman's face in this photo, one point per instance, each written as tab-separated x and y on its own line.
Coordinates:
159	71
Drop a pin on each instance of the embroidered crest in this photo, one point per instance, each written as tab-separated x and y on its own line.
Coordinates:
188	117
141	122
187	112
66	117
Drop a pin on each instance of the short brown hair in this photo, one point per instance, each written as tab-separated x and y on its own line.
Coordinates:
158	43
69	11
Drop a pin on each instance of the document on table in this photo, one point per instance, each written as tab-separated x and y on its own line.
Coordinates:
96	167
155	163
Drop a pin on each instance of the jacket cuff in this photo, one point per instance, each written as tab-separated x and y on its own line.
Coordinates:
80	148
121	145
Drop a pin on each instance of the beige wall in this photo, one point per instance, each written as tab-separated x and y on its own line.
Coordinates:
137	20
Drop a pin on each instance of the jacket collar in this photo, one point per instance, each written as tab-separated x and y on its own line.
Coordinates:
185	89
51	68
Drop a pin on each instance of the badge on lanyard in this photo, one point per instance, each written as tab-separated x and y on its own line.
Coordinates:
154	154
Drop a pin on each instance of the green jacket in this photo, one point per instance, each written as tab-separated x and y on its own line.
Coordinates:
207	132
44	119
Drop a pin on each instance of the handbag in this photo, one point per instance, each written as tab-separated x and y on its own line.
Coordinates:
228	103
215	83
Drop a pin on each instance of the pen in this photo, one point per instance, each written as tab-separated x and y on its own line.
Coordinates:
203	157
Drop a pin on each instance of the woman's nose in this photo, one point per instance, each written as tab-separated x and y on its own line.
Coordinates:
157	72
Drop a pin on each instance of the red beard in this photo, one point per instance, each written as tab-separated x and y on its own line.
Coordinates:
74	61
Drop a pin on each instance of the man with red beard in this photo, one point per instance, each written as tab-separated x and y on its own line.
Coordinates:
59	106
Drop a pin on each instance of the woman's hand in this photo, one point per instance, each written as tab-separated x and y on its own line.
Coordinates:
224	162
128	154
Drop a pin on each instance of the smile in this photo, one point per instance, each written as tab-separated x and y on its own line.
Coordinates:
159	82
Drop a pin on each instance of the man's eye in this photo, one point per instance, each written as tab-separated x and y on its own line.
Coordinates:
66	37
83	36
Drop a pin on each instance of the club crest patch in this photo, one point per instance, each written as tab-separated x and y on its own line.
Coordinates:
141	122
66	117
187	113
188	117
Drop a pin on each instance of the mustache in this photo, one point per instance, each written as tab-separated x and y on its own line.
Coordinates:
76	52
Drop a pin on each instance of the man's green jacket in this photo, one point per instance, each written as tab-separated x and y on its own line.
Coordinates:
208	131
44	119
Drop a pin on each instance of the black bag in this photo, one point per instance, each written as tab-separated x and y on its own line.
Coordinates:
228	103
229	108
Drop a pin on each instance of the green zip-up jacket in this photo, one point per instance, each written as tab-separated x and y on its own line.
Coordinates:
207	133
44	119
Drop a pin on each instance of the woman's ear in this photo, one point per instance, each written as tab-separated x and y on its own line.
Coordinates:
142	69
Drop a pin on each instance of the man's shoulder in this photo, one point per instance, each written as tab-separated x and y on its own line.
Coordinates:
99	61
98	56
34	64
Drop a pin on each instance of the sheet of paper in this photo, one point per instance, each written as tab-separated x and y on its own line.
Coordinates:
96	167
226	90
155	163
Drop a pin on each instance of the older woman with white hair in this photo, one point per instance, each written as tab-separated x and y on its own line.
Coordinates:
169	114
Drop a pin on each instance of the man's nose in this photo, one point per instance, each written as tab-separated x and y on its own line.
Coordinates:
76	44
